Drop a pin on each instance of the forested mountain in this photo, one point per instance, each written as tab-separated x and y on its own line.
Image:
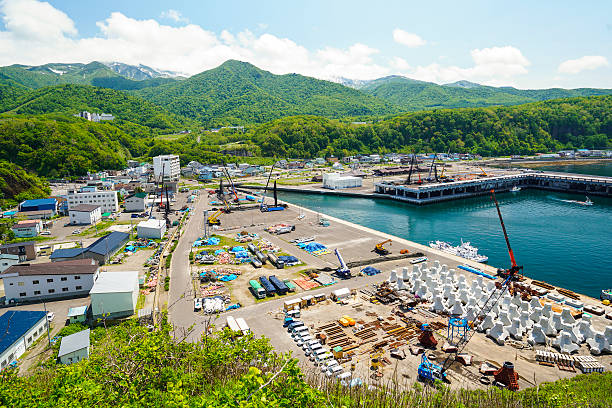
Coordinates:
411	95
72	99
523	129
17	185
240	93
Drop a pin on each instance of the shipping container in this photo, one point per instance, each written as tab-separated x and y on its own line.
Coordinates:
262	258
244	327
270	291
279	285
252	248
233	326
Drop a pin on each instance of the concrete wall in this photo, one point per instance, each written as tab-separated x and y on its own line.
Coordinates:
75	356
17	349
61	285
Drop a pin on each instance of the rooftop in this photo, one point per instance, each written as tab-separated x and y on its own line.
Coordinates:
77	311
74	342
39	201
85	207
73	267
26	224
115	282
9	256
18	244
15	323
152	223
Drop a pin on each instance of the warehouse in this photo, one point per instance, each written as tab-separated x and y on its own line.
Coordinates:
27	228
336	181
39	205
19	328
85	214
74	348
151	229
101	250
26	251
114	295
50	280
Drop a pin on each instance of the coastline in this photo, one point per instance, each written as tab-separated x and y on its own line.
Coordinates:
565	162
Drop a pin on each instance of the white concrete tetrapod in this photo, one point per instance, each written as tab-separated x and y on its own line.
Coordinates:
525	320
535	302
566	317
537	335
487	323
564	344
392	276
536	314
504	319
546	327
515	329
598	344
513	311
555	321
457	309
498	333
585	329
516	300
438	305
569	330
524	307
547	310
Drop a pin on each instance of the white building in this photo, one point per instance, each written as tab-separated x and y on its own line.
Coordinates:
151	228
114	295
341	294
27	281
20	329
167	166
336	181
137	202
8	260
85	214
74	348
107	200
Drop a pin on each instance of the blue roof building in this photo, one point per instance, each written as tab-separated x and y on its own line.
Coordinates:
19	328
39	205
101	250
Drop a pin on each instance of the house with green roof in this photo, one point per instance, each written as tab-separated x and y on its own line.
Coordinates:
137	202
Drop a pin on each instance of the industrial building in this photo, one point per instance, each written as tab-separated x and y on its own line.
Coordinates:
74	347
151	229
107	200
50	280
77	314
85	214
19	328
167	167
114	295
26	251
336	181
136	202
101	250
39	205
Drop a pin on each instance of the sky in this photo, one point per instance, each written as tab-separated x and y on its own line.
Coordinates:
525	44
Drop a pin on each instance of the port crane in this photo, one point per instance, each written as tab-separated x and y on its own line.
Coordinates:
343	271
265	208
380	248
430	371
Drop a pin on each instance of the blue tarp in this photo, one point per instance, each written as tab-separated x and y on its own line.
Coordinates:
369	270
237	249
243	254
312	246
289	260
212	241
228	278
130	248
219	251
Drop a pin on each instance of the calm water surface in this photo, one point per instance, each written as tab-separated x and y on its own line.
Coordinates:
562	243
596	169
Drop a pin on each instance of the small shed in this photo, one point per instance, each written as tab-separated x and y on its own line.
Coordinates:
77	314
74	348
341	294
151	228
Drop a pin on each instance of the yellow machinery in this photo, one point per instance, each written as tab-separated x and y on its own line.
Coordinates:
483	174
380	248
375	360
214	219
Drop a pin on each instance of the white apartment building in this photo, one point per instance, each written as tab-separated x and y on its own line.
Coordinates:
85	214
27	281
107	200
168	166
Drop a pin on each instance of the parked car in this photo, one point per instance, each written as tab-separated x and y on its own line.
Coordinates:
45	233
197	304
50	316
76	231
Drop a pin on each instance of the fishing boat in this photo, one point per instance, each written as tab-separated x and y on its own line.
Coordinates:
606	294
418	260
515	189
465	250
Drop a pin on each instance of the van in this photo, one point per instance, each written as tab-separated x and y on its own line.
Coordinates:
334	371
322	358
328	364
344	378
293	313
310	344
299	331
306	338
294	325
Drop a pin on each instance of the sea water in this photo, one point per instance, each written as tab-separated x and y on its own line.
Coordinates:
565	244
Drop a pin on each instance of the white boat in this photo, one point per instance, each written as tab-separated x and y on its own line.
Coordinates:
586	202
465	250
418	260
515	189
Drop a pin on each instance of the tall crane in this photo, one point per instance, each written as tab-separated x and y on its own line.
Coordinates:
514	270
410	171
343	271
430	371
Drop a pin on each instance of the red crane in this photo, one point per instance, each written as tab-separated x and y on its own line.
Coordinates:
514	268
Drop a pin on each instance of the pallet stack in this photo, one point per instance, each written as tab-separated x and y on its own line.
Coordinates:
588	364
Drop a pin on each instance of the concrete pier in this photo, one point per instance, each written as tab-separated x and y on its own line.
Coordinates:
432	193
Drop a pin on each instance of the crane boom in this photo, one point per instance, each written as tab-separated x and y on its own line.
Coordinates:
501	220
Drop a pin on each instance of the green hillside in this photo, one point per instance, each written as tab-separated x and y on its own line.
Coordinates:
414	95
240	93
17	184
523	129
56	74
71	99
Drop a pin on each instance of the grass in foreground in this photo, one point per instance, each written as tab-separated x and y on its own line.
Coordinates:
131	367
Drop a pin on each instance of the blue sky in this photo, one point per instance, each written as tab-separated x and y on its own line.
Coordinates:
527	44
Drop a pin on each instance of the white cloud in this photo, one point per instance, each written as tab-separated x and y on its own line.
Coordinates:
408	39
492	66
399	64
588	62
36	21
173	15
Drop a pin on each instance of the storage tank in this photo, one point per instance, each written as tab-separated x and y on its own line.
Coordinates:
276	262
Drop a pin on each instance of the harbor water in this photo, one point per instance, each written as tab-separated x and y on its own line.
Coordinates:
593	169
563	243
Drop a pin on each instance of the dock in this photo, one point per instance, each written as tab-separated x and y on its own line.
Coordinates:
432	193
